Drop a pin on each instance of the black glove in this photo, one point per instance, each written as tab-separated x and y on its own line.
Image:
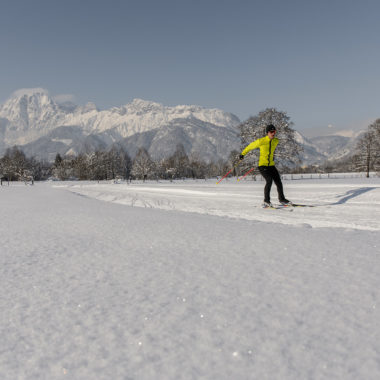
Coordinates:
241	157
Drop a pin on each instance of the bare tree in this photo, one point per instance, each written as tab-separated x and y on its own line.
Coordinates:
120	164
80	166
288	150
375	130
15	164
198	167
143	167
180	162
367	150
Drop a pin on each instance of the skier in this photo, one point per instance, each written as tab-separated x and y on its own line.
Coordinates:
267	169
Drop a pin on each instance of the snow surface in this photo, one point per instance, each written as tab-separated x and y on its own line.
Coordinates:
215	288
346	203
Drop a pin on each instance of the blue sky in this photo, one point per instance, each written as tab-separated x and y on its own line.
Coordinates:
317	60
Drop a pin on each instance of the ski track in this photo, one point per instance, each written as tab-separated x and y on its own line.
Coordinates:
349	204
97	290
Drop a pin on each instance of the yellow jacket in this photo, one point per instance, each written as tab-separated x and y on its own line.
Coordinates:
267	147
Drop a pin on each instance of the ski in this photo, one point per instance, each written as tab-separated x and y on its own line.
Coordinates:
288	207
299	205
277	207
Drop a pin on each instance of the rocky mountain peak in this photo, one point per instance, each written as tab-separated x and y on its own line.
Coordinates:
27	108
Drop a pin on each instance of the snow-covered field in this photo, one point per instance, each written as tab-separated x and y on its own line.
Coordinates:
193	282
347	203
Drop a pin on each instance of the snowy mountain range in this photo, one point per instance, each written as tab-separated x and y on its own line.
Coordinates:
43	127
31	119
327	149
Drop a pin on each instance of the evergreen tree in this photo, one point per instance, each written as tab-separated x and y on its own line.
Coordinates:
58	167
58	160
126	164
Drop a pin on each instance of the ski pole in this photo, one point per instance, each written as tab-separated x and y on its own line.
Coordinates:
228	173
245	174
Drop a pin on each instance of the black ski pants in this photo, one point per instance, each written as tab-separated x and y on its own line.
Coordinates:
271	174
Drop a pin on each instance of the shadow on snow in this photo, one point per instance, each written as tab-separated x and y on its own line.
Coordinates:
352	194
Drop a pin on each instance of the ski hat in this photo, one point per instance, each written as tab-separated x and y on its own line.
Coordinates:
270	128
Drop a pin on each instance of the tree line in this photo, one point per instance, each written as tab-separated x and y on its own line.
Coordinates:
365	158
115	163
15	166
111	164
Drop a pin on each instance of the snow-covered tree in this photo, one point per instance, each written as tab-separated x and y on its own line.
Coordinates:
59	169
143	167
113	163
80	167
198	167
38	169
119	163
179	162
287	151
66	169
15	164
96	166
367	150
375	130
